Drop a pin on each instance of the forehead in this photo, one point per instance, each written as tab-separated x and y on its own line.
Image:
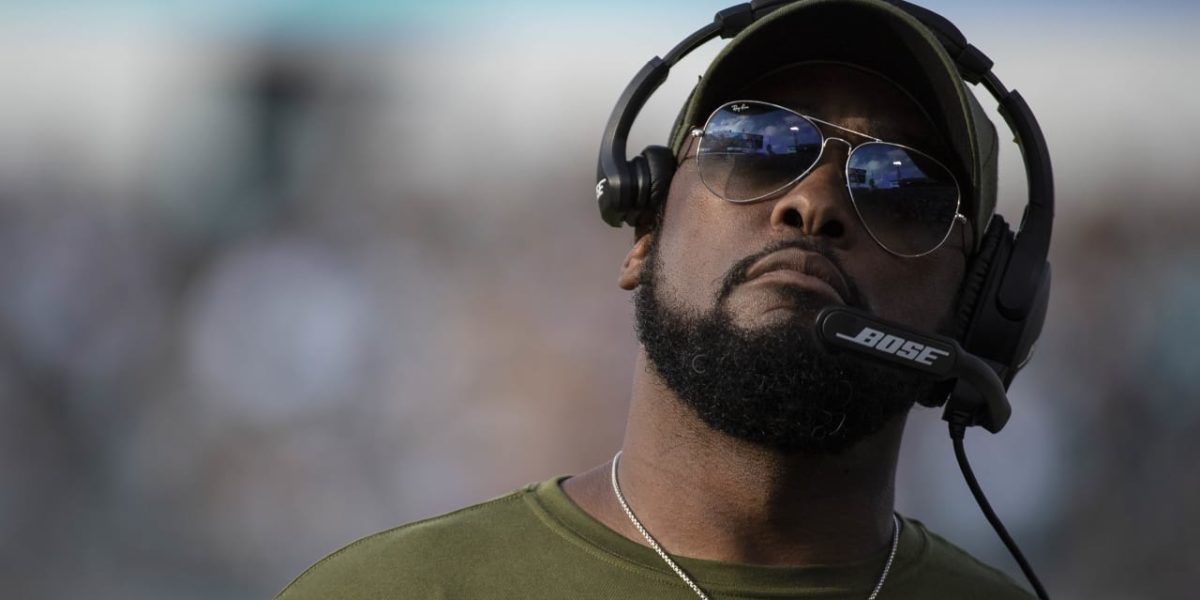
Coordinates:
850	97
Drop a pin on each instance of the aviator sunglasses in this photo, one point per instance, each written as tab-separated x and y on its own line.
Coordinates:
907	200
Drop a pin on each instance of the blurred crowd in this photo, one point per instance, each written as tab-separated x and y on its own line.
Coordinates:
312	290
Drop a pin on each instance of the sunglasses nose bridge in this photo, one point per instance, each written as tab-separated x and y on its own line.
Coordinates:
824	155
849	146
825	146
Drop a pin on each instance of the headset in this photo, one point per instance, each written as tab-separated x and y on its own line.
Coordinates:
1006	287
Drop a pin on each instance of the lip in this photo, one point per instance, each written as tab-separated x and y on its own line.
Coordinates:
793	265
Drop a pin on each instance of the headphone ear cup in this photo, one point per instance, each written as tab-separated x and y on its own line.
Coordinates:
976	277
984	328
975	281
660	166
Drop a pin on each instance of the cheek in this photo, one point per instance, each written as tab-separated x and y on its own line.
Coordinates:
688	255
701	238
919	292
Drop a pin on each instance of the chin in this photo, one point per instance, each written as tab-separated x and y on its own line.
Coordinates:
791	314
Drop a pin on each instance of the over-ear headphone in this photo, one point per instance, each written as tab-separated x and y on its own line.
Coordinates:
1003	299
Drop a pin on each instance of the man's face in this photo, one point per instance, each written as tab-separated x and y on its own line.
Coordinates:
703	236
737	346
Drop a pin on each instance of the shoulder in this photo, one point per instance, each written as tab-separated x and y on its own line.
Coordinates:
946	567
417	558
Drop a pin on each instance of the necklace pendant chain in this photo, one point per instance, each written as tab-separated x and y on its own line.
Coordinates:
887	567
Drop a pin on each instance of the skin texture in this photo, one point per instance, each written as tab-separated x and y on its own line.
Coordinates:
705	494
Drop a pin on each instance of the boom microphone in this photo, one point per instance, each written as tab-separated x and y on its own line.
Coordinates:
840	328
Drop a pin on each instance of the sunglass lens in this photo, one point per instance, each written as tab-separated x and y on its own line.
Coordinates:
907	199
750	150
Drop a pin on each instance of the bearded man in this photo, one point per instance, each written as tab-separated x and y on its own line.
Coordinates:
808	170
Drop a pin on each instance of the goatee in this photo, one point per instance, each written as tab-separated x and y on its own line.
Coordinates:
772	386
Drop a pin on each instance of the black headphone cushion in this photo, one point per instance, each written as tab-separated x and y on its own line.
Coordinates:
976	276
660	161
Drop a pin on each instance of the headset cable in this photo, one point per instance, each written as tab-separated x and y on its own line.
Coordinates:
958	429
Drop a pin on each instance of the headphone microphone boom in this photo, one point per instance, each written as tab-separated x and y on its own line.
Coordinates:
844	329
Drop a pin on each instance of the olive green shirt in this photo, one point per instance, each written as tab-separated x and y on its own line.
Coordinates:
535	543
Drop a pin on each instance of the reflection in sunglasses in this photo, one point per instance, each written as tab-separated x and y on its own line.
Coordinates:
906	199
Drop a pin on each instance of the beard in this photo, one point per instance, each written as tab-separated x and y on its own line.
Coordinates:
772	386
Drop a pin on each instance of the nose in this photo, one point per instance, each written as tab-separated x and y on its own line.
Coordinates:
819	204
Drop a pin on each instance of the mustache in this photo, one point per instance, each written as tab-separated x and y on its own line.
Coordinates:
737	273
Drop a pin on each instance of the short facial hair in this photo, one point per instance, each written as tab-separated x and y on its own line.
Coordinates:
772	386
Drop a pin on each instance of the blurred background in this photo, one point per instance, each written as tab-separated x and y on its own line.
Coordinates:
280	274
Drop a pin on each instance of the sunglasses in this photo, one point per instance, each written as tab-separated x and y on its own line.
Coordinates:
907	200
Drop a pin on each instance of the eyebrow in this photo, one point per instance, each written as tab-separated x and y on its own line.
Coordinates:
883	131
872	124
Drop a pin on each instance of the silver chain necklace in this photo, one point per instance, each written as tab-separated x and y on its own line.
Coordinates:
688	580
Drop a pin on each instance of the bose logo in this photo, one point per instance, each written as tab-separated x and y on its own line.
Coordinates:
899	346
600	187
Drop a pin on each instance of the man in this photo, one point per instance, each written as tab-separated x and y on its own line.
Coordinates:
753	465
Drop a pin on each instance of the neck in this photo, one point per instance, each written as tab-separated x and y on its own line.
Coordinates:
704	494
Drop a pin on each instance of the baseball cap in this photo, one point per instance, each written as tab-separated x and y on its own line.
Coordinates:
874	35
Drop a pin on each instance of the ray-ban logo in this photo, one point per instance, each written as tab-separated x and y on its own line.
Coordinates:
873	338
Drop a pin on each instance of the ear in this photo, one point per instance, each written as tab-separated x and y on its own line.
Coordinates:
635	261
